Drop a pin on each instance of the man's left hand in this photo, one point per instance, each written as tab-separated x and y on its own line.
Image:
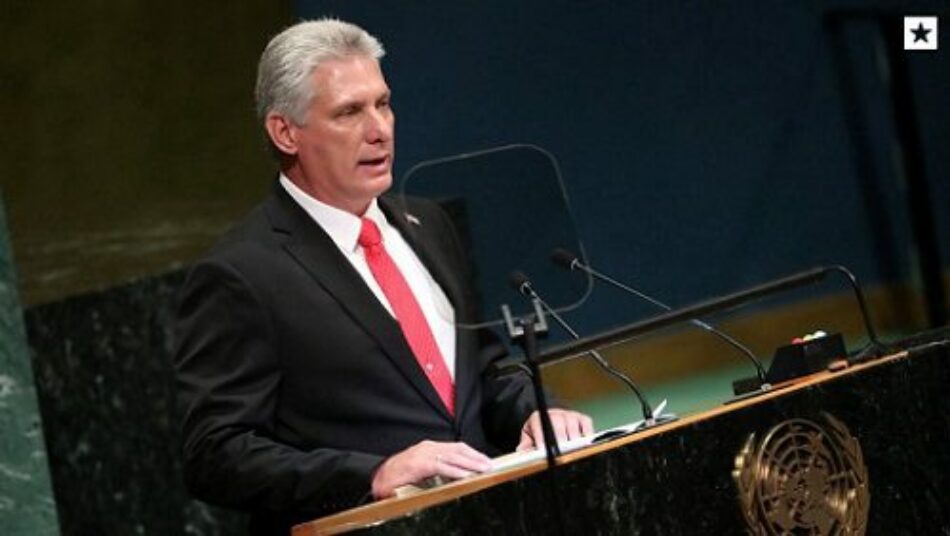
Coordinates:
567	425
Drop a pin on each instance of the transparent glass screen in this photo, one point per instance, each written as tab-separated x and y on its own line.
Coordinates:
510	210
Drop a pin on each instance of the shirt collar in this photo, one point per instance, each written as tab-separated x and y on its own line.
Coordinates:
342	226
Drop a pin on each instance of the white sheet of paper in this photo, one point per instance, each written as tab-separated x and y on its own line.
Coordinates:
514	459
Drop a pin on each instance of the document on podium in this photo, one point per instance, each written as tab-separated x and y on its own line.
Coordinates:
524	457
515	459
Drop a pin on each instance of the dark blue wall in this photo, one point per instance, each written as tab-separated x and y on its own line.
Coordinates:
704	145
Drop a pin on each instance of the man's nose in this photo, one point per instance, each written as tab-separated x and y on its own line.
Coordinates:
380	126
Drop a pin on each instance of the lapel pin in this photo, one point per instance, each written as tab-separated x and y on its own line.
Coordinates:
412	219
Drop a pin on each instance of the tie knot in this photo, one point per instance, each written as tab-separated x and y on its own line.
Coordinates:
369	234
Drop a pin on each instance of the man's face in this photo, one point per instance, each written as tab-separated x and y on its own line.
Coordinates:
345	148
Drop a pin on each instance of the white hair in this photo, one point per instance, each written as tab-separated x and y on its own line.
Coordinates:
283	73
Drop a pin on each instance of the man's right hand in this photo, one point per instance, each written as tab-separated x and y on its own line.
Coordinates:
427	459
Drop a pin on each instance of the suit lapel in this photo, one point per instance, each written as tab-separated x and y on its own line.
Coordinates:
315	251
412	230
418	232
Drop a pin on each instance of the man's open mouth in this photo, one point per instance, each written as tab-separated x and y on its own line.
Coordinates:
373	162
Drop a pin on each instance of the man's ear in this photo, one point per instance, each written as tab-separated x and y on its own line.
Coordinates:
282	133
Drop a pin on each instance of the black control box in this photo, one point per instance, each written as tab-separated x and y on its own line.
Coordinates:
802	357
805	357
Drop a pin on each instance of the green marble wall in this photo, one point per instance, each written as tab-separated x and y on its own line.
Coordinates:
104	380
26	498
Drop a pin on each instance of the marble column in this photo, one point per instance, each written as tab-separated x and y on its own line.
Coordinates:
26	497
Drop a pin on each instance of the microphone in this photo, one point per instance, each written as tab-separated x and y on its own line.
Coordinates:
571	262
520	282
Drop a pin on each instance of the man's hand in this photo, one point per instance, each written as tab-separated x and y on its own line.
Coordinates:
427	459
567	425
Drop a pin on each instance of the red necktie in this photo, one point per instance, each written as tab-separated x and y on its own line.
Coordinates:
411	320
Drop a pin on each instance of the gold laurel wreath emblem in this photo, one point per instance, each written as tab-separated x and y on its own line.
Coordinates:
803	479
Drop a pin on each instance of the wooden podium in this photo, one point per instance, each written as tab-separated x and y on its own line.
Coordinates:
864	449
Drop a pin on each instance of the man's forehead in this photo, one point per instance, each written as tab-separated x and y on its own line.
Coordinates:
347	70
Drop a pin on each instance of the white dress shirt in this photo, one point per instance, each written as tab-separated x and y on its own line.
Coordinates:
344	230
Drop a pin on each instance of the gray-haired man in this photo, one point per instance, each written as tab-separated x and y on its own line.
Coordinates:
318	361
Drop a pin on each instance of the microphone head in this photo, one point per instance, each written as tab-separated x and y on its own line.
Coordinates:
519	281
563	258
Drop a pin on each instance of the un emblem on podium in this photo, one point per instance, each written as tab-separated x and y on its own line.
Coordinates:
803	478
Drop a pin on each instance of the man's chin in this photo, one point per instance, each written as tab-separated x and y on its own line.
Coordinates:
380	183
372	188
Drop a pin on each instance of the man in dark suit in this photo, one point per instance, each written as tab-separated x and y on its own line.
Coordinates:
318	362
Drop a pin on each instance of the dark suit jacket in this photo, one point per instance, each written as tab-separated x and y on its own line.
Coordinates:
295	382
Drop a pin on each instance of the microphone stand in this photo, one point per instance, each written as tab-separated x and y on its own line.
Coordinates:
568	260
523	331
874	348
567	351
523	285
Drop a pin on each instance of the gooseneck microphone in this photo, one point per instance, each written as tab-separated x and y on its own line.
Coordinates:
571	262
520	282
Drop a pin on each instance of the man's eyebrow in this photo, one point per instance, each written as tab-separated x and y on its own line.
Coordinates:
358	103
348	103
